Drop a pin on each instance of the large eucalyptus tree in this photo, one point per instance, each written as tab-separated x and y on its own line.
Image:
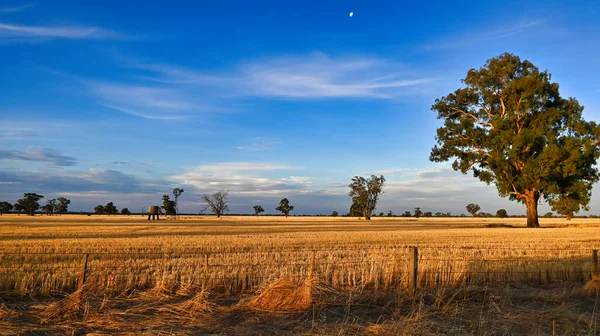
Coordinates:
511	127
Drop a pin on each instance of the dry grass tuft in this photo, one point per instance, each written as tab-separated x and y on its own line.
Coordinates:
284	295
197	306
71	306
592	287
293	296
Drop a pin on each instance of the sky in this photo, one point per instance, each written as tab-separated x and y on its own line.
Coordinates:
123	101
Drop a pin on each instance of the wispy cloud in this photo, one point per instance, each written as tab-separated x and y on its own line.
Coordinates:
45	155
484	35
319	76
15	9
19	32
171	92
260	144
143	101
313	76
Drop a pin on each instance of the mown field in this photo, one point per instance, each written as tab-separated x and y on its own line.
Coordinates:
296	275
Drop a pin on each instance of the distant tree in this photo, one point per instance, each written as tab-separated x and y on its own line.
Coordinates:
390	214
258	209
29	203
285	207
334	214
473	208
439	214
125	211
427	214
62	205
177	192
5	207
50	206
110	209
217	202
548	214
418	212
510	125
169	206
366	192
380	214
406	214
99	209
355	209
501	213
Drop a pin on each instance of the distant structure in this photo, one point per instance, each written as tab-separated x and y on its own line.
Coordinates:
154	210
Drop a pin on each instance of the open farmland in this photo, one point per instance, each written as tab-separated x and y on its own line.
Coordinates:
131	268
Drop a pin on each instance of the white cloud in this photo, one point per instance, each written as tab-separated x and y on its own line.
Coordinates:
231	167
245	178
66	32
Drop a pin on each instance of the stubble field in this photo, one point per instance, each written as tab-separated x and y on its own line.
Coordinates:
296	275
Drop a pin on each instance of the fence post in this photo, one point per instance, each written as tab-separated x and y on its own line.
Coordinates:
595	268
83	275
205	278
413	268
312	264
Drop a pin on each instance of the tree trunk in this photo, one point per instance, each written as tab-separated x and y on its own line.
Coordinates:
531	199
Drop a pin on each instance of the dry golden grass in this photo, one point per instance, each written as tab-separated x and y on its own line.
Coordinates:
143	276
45	255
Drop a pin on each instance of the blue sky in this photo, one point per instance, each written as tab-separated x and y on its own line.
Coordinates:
123	101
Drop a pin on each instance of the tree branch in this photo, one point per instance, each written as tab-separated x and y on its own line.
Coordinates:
483	123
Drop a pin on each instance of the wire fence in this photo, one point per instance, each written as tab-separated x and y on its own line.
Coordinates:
380	268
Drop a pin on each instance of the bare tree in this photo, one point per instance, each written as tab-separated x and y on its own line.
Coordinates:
217	202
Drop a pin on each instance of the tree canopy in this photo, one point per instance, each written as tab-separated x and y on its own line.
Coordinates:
285	207
365	193
62	205
5	207
258	209
510	127
99	209
29	203
501	213
169	206
110	209
472	208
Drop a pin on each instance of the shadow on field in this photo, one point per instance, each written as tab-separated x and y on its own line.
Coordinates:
481	310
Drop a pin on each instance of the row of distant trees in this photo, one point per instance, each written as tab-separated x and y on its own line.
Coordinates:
30	204
218	204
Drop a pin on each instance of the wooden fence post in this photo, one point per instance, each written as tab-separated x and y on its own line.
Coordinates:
312	264
205	278
413	269
595	268
83	275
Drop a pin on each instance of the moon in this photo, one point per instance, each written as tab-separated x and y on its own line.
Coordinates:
351	14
